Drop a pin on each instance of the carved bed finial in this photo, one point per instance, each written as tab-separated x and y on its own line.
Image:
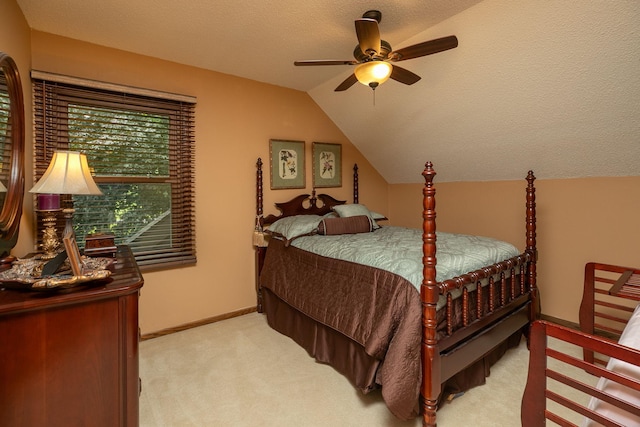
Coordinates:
313	200
428	173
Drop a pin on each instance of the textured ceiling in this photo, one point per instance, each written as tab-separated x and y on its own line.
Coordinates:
549	86
255	39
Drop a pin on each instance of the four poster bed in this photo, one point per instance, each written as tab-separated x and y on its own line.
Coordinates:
417	342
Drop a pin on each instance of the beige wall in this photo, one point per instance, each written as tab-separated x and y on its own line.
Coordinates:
578	220
235	118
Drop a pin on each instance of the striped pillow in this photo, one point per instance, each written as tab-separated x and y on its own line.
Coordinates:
345	225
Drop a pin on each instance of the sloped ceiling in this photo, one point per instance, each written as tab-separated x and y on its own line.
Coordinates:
545	85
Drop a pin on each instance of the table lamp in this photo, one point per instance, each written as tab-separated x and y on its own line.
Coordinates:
68	173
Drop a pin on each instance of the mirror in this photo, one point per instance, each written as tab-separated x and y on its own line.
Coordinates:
11	154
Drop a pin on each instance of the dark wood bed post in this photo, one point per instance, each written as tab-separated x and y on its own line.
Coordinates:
260	248
531	246
355	183
259	195
429	294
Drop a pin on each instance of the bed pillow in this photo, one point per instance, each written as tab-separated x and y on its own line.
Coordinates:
348	225
291	227
377	216
354	209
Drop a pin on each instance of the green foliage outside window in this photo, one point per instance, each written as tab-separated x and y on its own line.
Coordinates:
141	150
125	144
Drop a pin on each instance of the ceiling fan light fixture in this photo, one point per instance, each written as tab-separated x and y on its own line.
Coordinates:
373	73
373	55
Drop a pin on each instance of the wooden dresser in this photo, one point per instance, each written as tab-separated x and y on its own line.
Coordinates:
70	358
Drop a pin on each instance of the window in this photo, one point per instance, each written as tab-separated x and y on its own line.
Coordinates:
141	151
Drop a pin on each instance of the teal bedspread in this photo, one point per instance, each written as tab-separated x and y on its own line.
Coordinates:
399	250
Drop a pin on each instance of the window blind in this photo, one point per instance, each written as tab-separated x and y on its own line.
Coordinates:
141	150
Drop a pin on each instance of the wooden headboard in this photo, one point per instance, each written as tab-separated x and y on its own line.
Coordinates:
304	204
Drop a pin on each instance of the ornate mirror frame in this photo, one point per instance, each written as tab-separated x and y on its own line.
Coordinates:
11	210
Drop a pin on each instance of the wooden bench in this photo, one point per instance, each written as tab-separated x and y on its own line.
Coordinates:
602	388
613	392
609	296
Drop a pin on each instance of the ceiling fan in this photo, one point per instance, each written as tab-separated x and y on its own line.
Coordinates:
373	56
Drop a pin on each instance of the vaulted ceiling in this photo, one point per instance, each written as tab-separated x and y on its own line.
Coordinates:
550	86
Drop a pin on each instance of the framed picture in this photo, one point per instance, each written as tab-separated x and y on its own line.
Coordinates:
73	253
327	165
287	164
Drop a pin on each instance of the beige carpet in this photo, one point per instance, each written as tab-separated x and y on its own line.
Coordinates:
240	372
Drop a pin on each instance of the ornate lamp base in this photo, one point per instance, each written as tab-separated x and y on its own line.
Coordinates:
50	240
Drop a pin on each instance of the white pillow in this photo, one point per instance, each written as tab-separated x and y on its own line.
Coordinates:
376	215
295	226
354	209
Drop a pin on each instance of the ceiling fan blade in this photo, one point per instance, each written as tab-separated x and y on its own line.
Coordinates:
350	81
325	62
424	48
368	36
403	75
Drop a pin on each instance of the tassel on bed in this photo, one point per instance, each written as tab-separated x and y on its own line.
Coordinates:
259	239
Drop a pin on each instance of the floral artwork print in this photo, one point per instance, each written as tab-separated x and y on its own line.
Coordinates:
327	164
288	165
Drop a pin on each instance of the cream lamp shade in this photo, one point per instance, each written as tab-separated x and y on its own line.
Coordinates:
3	189
68	173
373	73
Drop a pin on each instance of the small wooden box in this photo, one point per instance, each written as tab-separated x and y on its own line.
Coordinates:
100	245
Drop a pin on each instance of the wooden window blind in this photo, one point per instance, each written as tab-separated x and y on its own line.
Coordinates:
141	150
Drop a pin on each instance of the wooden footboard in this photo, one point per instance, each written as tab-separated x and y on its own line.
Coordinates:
552	364
511	303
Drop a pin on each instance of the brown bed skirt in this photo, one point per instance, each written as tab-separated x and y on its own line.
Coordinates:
323	343
348	357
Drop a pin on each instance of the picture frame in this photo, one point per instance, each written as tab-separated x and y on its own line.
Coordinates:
73	253
327	164
287	164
